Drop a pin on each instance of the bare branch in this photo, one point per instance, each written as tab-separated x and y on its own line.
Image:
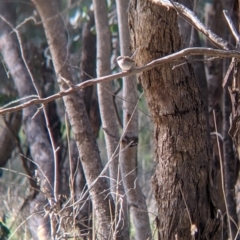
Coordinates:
231	25
181	55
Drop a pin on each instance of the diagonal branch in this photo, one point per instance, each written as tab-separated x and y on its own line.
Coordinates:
231	26
181	55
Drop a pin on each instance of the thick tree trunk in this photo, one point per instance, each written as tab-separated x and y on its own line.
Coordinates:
181	179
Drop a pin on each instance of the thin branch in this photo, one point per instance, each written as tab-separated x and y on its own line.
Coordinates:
236	36
231	26
181	55
42	172
230	68
23	222
222	177
56	170
114	154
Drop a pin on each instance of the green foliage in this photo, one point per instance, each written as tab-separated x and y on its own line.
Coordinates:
5	98
114	28
4	231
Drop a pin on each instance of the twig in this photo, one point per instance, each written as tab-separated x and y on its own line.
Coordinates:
56	170
113	155
236	36
230	68
39	212
39	169
231	26
222	177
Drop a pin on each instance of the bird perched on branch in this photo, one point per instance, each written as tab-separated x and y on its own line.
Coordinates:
125	63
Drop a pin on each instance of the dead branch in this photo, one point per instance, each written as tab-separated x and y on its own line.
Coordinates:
180	56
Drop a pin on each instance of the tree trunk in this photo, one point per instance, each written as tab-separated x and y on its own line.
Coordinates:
82	131
40	147
181	179
107	110
88	70
128	148
105	90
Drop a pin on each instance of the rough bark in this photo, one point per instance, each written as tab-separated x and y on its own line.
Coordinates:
181	180
38	141
82	131
128	146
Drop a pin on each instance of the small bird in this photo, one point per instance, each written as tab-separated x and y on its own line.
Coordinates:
125	63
